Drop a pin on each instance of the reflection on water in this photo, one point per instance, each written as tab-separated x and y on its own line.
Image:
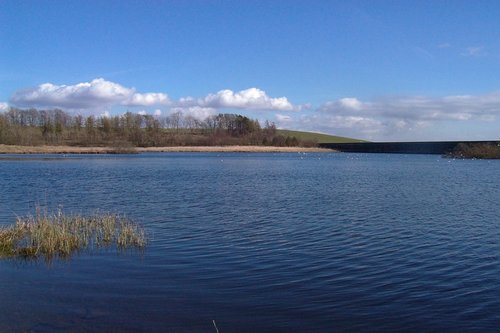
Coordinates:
263	242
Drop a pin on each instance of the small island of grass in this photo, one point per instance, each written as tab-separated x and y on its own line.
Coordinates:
60	236
476	150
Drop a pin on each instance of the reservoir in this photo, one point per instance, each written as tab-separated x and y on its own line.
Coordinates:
285	242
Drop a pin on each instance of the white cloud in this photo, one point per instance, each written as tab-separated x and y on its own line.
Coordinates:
142	113
3	106
96	94
397	117
147	99
414	108
252	98
248	99
157	112
100	94
351	103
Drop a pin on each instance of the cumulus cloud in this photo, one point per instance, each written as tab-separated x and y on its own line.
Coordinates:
147	99
248	99
98	93
252	98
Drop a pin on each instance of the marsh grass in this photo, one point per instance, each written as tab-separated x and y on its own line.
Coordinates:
60	235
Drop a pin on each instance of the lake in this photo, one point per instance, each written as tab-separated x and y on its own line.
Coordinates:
283	242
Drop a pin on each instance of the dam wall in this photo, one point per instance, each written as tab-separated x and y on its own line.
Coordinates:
435	147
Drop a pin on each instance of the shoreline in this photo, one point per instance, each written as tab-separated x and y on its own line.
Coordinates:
14	149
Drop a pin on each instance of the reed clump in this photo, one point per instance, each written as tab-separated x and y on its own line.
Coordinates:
61	235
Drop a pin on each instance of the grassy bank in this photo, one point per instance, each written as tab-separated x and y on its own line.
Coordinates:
317	137
11	149
60	235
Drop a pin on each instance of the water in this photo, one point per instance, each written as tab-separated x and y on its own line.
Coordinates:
263	242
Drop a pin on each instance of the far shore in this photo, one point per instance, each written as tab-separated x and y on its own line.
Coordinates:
11	149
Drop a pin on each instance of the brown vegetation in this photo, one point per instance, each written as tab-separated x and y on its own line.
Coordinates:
13	149
60	235
57	128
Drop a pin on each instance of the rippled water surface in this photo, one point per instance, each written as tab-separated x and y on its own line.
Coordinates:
263	242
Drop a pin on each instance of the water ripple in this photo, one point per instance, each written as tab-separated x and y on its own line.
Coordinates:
348	242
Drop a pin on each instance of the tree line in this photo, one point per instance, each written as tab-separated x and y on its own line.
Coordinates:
32	127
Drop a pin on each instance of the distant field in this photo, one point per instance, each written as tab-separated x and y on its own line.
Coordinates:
318	137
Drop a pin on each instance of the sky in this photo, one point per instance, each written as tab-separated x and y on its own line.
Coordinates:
374	70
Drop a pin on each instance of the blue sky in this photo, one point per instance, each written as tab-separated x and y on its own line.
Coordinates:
377	70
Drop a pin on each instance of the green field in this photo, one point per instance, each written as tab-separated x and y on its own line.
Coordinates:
318	137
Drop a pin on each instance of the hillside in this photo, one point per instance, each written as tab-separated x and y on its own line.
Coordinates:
318	137
58	128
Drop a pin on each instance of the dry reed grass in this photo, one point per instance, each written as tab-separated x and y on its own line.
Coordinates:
60	235
13	149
